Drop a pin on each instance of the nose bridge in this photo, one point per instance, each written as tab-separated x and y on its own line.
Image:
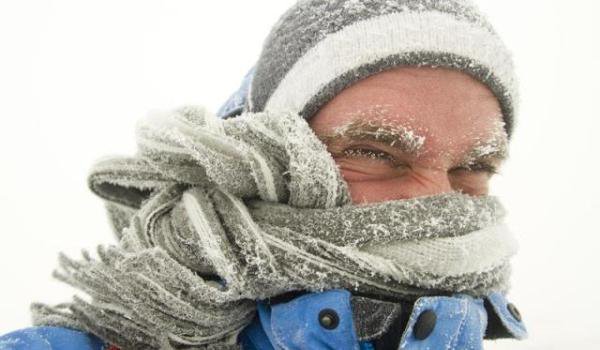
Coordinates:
432	181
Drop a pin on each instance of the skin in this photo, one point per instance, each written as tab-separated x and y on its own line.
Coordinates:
413	131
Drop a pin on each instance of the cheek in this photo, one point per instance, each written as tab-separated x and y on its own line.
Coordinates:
409	185
377	191
366	187
353	170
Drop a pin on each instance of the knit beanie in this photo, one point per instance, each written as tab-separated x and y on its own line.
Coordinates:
319	47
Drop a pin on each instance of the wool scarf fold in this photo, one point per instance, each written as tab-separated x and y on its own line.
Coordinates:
212	215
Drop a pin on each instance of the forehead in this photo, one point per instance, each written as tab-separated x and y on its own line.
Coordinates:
450	109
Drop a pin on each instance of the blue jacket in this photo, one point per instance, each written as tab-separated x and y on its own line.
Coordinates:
328	320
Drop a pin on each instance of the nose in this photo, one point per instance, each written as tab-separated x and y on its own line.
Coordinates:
425	182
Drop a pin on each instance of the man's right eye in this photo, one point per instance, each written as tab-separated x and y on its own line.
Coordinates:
478	167
357	152
372	158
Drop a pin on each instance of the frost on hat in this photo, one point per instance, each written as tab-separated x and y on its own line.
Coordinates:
319	47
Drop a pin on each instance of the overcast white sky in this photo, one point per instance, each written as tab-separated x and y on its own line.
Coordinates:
75	75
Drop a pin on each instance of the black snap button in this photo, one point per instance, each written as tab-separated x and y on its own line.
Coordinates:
329	319
425	324
514	311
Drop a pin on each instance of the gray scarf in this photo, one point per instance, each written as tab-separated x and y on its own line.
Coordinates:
214	214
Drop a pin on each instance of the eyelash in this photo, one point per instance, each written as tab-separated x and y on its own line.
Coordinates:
357	152
367	152
481	167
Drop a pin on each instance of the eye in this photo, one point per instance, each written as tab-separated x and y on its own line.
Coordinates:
371	158
480	167
361	152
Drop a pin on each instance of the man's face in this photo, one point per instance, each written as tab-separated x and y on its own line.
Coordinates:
411	132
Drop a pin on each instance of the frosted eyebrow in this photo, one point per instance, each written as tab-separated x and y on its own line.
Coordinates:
495	148
398	137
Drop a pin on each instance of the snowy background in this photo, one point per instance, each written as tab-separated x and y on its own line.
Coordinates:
75	75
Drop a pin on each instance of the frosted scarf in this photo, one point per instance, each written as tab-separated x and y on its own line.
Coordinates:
214	214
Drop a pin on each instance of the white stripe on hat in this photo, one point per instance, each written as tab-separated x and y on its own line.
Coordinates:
377	38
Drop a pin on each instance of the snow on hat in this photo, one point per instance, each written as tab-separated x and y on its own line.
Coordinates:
319	47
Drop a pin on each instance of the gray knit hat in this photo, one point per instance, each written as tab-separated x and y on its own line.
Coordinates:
319	47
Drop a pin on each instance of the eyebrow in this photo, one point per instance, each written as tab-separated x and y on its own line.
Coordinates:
398	137
411	143
494	148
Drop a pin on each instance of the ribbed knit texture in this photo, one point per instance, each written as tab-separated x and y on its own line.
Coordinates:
319	47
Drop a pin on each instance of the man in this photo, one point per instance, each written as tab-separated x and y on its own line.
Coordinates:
367	228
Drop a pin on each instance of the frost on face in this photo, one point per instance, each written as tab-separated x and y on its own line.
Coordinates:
494	144
373	124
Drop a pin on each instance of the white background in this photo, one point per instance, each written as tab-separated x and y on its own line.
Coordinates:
75	75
